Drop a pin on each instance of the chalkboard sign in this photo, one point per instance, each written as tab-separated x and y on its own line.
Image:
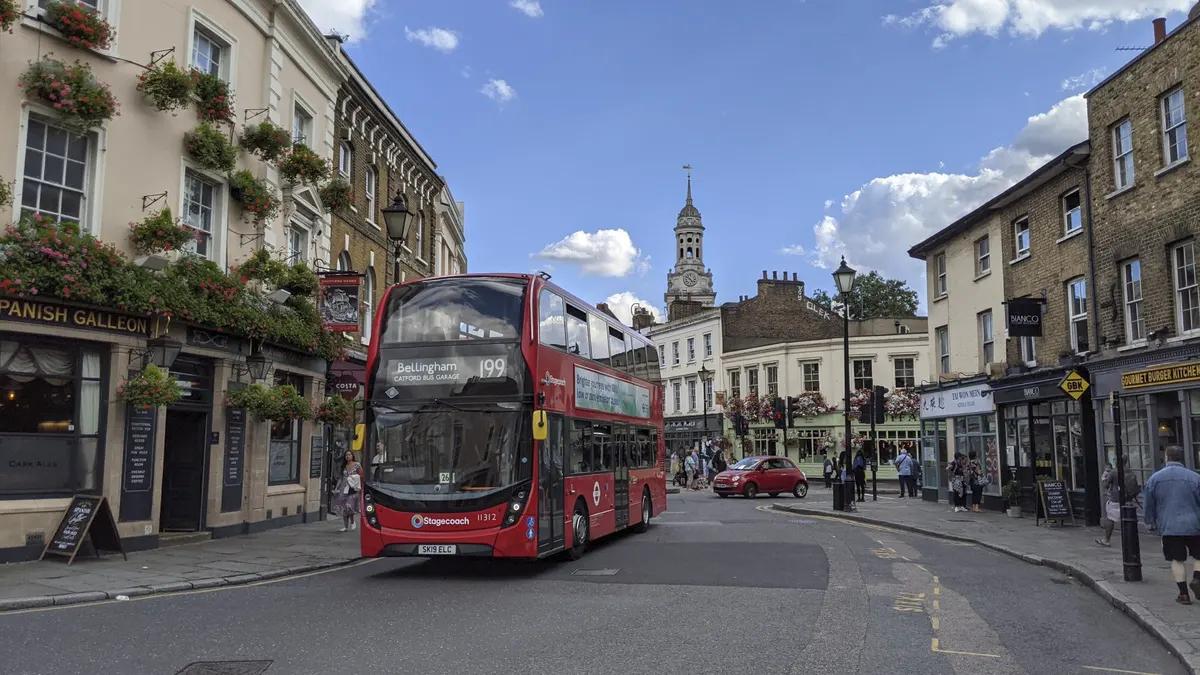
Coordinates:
235	453
1055	501
316	456
86	516
137	478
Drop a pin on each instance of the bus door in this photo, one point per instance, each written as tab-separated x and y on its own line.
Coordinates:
621	476
550	487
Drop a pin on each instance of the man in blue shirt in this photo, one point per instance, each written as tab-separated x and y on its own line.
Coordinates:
1172	503
904	467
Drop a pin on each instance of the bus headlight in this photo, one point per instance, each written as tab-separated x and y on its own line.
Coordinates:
513	513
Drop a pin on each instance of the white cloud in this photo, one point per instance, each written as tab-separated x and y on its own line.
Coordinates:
498	90
441	39
794	249
880	220
622	304
530	8
1029	18
603	253
347	17
1083	81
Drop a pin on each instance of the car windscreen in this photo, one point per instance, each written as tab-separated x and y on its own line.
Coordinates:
745	464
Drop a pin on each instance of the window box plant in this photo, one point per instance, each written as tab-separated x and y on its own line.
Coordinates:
1012	498
811	404
336	195
166	86
267	140
213	99
210	148
302	165
81	101
157	233
335	410
10	11
151	388
258	200
80	25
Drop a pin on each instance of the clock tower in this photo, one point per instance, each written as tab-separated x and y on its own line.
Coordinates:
689	283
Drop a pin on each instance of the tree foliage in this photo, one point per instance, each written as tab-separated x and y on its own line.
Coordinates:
874	297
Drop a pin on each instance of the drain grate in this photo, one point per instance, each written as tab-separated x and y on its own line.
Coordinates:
605	572
226	668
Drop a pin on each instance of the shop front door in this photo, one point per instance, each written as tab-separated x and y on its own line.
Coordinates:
185	462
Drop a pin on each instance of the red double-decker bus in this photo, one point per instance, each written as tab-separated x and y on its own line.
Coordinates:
506	418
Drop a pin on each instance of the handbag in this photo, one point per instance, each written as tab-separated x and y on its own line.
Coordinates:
353	482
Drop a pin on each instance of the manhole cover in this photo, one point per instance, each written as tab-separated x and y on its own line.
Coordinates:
225	668
607	572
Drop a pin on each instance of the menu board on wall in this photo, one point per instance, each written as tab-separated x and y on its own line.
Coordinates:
137	476
316	456
235	451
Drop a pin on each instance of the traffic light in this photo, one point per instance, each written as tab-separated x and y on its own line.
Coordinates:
866	411
877	403
779	412
793	410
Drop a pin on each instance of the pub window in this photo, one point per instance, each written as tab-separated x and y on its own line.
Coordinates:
56	177
577	332
50	418
284	451
752	380
906	373
863	378
772	380
812	376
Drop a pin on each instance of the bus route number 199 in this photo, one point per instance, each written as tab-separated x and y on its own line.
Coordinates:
493	368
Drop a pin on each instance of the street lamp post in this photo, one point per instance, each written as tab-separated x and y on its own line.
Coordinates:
706	376
398	219
844	278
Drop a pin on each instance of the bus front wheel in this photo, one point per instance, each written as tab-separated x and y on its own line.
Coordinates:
579	532
646	511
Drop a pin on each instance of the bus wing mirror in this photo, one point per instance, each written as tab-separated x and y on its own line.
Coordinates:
360	436
540	428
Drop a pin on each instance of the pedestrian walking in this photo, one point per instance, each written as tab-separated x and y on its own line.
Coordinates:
692	467
1172	504
827	471
346	501
957	471
860	475
976	479
904	467
1112	499
719	462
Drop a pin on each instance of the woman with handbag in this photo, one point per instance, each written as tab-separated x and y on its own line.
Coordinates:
957	470
978	480
346	501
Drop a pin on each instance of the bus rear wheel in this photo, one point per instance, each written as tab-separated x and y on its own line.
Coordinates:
579	532
646	512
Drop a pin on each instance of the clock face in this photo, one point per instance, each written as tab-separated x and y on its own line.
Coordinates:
690	279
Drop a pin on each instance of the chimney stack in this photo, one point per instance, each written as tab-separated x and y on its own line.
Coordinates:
1160	30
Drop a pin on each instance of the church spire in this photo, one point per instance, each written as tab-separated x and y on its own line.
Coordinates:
689	210
688	168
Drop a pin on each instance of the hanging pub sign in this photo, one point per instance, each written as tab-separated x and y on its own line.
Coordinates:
339	301
1024	317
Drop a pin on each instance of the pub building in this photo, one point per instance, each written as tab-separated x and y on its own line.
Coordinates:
193	469
957	416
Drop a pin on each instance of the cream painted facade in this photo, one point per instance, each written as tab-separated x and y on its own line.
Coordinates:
685	346
450	252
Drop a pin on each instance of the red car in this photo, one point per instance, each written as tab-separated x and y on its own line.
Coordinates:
752	475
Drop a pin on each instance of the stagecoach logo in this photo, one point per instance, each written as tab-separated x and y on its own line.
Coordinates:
549	380
419	521
596	493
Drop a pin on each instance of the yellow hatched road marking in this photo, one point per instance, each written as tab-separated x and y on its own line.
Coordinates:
1116	670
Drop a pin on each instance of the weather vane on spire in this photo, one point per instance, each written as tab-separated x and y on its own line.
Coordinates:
688	169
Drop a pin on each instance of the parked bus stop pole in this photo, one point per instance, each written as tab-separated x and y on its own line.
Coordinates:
1131	553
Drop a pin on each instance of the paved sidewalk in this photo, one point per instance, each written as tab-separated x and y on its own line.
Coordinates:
220	562
1073	550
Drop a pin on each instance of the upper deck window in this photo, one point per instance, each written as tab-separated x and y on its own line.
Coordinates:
449	310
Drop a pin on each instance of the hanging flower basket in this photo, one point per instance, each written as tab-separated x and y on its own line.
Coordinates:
267	140
258	200
261	266
166	86
158	232
302	165
210	148
81	101
300	280
6	192
335	410
859	398
214	102
151	388
857	441
10	11
902	402
336	195
276	404
80	25
811	404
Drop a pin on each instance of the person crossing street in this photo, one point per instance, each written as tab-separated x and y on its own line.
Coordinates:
1172	505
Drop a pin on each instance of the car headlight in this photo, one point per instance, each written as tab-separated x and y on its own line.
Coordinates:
736	479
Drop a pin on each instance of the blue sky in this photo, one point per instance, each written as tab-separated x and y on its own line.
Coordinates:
816	127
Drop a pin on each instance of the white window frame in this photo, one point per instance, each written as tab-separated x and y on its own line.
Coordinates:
662	356
214	210
983	256
299	104
675	353
772	377
345	160
987	338
735	382
1178	129
1180	289
1131	302
109	9
813	368
228	67
854	376
368	306
220	209
752	381
419	229
1122	156
911	372
1028	350
940	287
708	345
942	344
89	207
677	395
691	393
1066	214
691	350
708	395
370	185
301	227
1018	232
1073	317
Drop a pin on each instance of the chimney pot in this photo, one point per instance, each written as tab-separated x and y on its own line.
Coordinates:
775	276
794	278
1160	29
764	274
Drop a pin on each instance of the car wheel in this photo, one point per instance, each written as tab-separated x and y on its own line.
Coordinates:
800	490
579	532
646	511
750	491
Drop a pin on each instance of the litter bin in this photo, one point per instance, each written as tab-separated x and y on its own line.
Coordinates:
839	495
